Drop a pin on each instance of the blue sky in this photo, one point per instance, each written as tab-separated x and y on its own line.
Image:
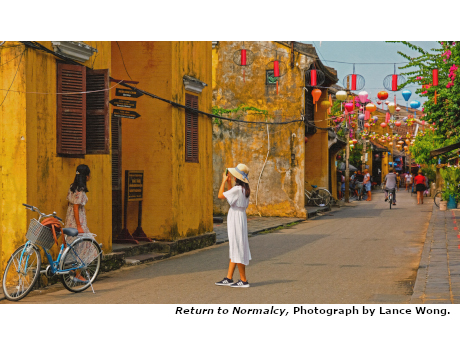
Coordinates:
370	51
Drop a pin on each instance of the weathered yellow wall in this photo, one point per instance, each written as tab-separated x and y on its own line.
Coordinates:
192	182
281	184
317	151
177	195
13	155
35	174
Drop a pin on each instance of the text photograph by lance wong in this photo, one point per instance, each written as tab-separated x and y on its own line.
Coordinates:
305	310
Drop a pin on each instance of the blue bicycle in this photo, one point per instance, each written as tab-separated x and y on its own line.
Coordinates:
77	264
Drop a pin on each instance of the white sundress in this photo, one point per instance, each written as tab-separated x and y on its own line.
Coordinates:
237	226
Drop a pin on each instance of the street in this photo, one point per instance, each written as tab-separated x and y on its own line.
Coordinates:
362	253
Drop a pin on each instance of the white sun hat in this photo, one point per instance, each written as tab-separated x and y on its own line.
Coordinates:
241	172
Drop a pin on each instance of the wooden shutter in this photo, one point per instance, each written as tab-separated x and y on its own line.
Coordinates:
191	129
97	111
309	112
116	153
71	109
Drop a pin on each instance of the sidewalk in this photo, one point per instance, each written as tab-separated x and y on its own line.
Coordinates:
438	276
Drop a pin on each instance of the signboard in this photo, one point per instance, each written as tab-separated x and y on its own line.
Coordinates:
128	93
127	114
123	103
135	184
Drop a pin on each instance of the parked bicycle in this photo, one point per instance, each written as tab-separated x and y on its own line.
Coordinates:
77	264
319	195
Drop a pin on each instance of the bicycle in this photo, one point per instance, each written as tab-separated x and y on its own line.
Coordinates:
77	264
391	197
320	196
438	197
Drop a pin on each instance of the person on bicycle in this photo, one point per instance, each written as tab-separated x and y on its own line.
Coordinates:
390	185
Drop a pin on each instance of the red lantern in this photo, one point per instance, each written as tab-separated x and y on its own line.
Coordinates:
243	57
367	115
353	81
398	123
435	77
383	125
349	106
382	95
355	141
379	102
394	82
276	68
313	77
367	125
387	117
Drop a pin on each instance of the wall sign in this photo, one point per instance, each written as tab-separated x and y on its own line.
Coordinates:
127	114
135	184
123	103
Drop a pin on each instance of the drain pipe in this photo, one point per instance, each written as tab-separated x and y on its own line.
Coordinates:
268	152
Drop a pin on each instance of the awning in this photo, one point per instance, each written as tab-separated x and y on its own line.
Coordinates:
341	166
378	147
444	149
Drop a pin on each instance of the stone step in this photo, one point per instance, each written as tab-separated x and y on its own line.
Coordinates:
142	258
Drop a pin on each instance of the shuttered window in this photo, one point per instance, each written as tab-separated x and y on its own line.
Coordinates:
82	118
71	109
97	111
191	129
116	153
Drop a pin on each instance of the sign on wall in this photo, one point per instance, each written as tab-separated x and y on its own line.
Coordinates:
135	184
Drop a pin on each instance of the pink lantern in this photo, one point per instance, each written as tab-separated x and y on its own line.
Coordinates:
363	96
367	115
349	106
387	117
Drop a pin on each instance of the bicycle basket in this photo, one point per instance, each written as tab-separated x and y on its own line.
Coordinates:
41	235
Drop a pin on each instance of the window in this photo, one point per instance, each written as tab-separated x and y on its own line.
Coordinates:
270	79
191	129
82	118
309	112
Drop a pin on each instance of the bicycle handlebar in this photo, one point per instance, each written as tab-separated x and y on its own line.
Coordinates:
35	209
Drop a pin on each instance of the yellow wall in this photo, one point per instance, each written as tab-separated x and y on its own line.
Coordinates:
30	165
177	199
281	184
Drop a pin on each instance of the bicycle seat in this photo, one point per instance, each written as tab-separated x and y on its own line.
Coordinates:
314	185
70	232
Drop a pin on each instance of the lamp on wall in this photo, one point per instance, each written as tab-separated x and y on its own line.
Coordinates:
193	85
78	51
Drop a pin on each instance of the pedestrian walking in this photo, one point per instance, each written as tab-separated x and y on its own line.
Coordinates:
420	186
367	184
76	214
237	226
408	181
339	184
359	184
398	181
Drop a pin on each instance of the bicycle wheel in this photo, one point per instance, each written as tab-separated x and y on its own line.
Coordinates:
322	197
437	198
21	274
390	199
86	252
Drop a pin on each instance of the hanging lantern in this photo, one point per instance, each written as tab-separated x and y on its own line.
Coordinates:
314	77
243	58
407	141
435	83
399	146
379	102
316	93
398	109
325	104
349	106
391	107
414	105
276	68
279	69
355	141
371	107
367	125
363	96
390	143
382	95
341	95
367	115
406	148
354	81
398	123
400	142
392	81
383	125
387	117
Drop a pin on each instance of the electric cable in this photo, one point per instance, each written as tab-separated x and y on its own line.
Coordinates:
258	182
19	65
123	61
13	58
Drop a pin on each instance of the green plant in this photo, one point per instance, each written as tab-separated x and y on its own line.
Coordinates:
451	176
239	111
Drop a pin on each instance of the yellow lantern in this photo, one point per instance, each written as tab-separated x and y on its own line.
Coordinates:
325	104
341	95
371	107
391	107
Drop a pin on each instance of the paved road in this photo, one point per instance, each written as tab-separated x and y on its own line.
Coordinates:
362	253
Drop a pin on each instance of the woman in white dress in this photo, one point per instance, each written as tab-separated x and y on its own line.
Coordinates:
237	226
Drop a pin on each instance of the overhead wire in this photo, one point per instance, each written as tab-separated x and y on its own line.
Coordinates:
19	65
123	60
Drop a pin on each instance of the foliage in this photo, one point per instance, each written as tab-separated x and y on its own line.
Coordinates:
238	111
446	59
430	172
355	155
451	176
427	142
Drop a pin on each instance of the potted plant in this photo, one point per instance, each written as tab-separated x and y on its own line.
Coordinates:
451	176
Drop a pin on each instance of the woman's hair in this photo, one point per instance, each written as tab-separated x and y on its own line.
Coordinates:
245	186
79	184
